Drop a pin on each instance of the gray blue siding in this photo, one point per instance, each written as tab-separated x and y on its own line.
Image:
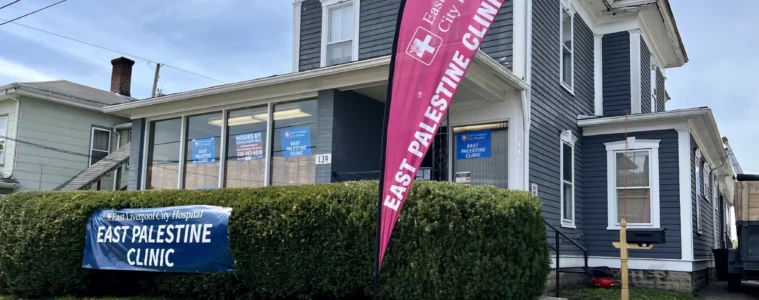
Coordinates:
645	77
616	76
661	93
555	109
702	242
323	138
135	155
310	35
356	134
598	238
377	27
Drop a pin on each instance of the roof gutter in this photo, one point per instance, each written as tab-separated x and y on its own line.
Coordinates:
24	90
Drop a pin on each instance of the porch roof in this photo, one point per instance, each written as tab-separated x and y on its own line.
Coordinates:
486	76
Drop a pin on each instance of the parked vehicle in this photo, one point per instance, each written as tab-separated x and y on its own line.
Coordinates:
744	260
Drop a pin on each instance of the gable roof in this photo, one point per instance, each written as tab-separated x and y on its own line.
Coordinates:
67	92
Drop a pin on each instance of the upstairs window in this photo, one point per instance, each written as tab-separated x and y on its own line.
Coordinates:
653	84
567	48
699	189
340	33
100	145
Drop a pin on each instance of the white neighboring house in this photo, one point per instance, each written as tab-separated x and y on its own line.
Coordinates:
52	131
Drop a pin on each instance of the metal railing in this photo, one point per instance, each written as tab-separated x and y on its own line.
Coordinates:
557	249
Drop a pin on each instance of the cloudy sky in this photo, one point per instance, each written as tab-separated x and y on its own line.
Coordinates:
234	40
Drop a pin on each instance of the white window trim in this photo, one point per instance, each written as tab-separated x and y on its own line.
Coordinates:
92	143
708	183
632	144
699	189
654	79
326	6
715	215
569	9
5	139
569	139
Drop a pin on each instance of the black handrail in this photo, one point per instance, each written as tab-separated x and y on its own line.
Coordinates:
558	254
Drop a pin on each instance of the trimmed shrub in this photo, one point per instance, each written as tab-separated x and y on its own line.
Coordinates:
311	242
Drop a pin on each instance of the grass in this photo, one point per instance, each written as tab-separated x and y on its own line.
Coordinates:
637	294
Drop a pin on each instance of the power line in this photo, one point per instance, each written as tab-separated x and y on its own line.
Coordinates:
109	49
9	4
34	12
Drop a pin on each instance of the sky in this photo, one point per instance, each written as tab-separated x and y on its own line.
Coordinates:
235	40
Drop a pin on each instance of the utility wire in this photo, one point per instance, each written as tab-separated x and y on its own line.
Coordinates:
34	12
109	49
9	4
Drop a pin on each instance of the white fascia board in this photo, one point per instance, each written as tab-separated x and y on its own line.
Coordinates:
671	114
485	65
33	93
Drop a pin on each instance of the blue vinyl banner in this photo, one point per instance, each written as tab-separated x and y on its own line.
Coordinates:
296	142
168	239
203	150
473	144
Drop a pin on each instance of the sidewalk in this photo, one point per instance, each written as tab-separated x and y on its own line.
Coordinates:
717	290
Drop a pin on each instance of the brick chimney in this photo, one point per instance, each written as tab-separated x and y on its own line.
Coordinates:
121	78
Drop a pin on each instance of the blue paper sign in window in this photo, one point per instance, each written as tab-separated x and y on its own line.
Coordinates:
203	150
473	144
296	142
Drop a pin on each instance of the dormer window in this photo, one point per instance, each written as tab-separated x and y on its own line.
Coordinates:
339	32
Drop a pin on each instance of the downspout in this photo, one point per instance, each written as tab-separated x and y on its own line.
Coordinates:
527	94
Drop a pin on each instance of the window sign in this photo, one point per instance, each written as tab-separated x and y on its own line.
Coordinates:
296	142
473	144
203	151
250	146
463	177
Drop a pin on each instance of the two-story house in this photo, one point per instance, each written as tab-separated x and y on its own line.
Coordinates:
53	130
571	91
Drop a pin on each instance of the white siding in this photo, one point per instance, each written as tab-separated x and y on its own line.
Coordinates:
56	143
8	108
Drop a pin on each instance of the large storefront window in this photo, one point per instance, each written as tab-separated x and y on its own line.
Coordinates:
481	155
246	147
203	149
292	160
163	155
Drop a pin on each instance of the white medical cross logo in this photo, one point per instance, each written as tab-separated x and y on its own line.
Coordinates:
420	47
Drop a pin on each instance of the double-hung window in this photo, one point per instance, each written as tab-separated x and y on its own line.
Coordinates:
567	47
633	183
100	144
716	214
339	32
567	151
699	189
3	134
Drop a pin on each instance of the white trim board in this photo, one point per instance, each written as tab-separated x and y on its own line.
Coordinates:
635	80
653	264
686	203
297	8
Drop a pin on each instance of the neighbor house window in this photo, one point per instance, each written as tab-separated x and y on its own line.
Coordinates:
163	154
246	147
292	159
653	84
3	134
567	179
715	207
699	189
633	183
339	32
100	144
567	48
202	150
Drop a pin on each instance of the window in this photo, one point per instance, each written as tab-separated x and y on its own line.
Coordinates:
716	215
292	161
653	84
202	151
633	183
707	183
340	34
100	144
567	48
163	154
699	189
246	147
567	179
3	134
481	154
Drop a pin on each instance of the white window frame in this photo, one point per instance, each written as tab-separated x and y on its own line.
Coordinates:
327	5
699	189
632	144
4	139
92	143
654	80
566	7
569	139
708	190
716	215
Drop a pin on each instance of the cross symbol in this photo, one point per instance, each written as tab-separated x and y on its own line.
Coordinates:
420	47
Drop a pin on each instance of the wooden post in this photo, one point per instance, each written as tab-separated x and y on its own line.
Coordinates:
623	255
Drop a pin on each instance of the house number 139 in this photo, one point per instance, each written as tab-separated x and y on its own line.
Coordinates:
323	159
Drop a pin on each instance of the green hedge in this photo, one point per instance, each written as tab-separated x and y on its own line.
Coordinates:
317	241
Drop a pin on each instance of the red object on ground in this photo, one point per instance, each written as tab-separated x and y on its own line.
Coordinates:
604	282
